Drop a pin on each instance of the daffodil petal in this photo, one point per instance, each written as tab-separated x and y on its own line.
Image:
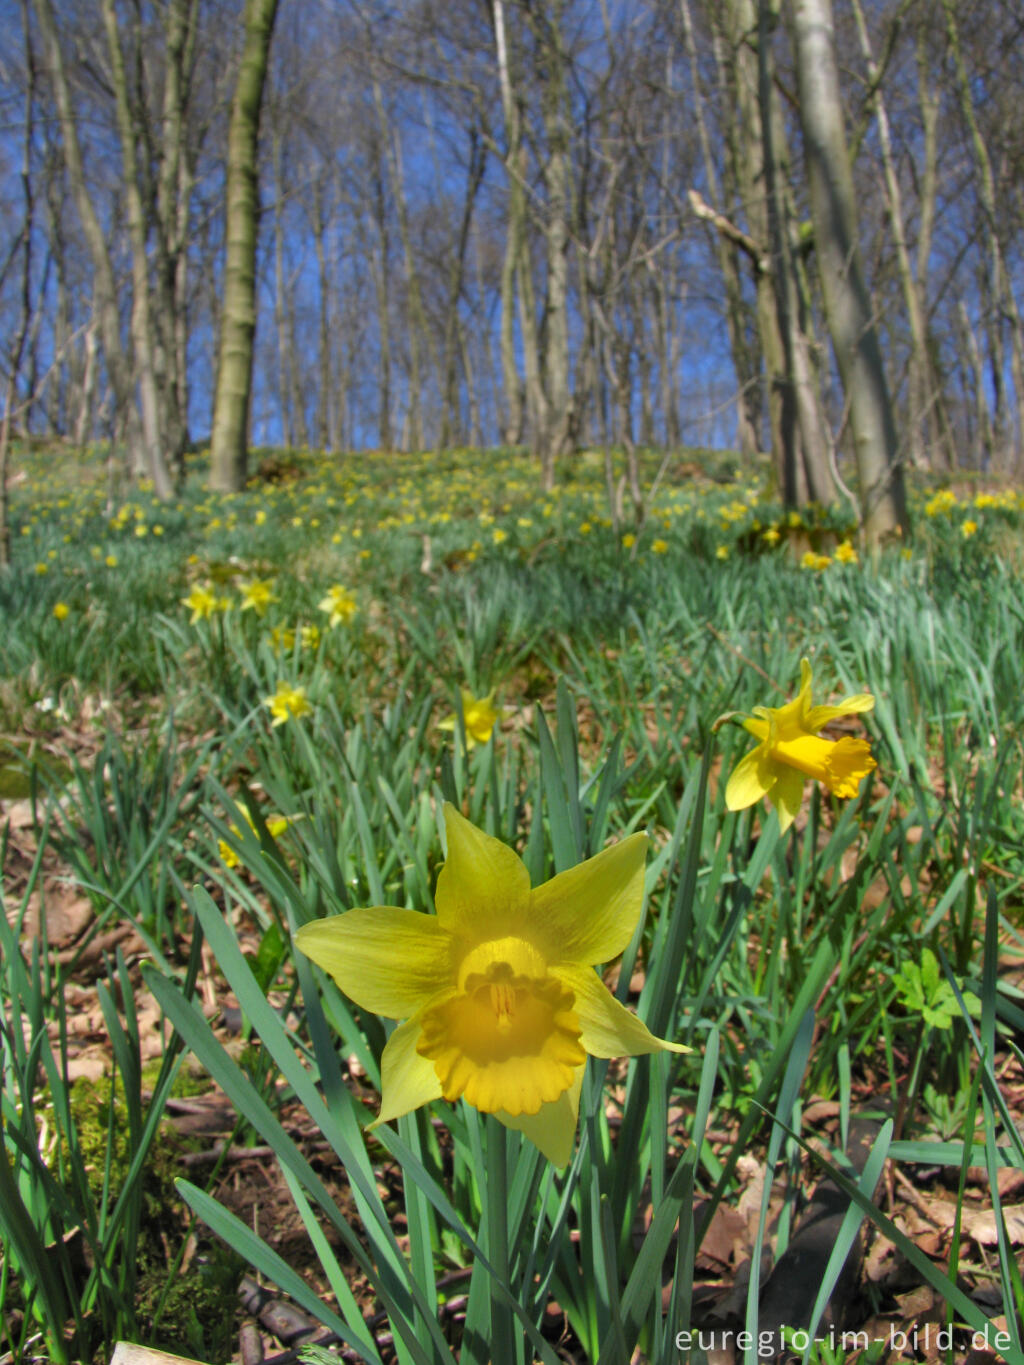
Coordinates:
608	1029
483	890
752	778
787	795
407	1079
758	724
553	1128
820	716
389	961
588	913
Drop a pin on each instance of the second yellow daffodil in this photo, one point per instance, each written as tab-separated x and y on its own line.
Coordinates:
288	703
791	750
479	717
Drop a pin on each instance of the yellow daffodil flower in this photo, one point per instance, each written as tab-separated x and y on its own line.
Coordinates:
288	703
479	717
202	602
275	826
282	637
500	1001
257	595
61	611
339	604
791	750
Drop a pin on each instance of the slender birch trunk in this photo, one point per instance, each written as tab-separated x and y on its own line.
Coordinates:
456	276
143	325
556	435
381	275
803	457
283	404
230	436
323	408
515	232
847	303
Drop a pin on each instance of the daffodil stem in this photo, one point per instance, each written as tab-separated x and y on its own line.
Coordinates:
502	1344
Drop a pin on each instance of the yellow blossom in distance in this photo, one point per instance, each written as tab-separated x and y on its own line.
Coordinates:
257	595
61	611
202	602
478	716
339	604
812	560
968	529
791	750
500	1002
845	553
288	703
275	827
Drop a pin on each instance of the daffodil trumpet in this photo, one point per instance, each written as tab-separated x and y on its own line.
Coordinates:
479	717
790	750
499	1001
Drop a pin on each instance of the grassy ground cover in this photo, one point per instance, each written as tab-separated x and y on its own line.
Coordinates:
222	719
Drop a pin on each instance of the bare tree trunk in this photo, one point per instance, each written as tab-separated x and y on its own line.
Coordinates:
104	289
536	399
847	304
173	199
921	398
296	387
477	163
476	438
230	438
36	384
416	328
323	407
745	362
976	388
515	233
144	341
757	167
338	377
284	406
805	448
381	275
24	317
86	392
556	435
941	437
1004	303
